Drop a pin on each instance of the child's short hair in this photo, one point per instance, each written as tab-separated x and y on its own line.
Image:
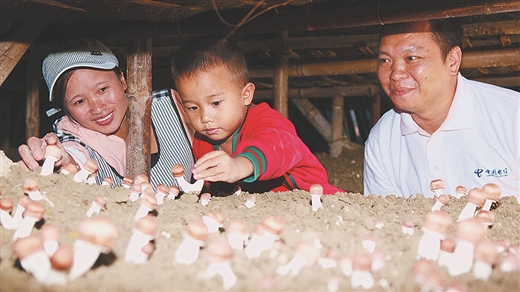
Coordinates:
205	54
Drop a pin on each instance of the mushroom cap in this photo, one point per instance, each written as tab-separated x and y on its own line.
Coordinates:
62	258
438	221
444	199
461	190
174	190
316	189
163	189
205	196
24	201
108	180
217	216
421	268
149	200
34	209
476	196
127	181
26	246
136	188
146	185
98	230
49	232
274	225
487	251
219	250
148	249
91	166
408	223
487	217
437	184
71	168
178	170
448	244
237	226
54	151
100	201
471	230
6	204
362	261
197	229
147	225
251	198
30	185
308	251
141	178
493	191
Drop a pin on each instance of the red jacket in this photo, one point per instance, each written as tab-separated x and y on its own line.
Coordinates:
281	160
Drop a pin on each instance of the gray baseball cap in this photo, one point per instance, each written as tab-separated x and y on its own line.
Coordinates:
83	52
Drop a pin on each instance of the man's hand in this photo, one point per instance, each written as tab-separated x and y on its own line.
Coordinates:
33	154
219	166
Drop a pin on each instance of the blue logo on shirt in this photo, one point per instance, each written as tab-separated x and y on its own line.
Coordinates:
490	172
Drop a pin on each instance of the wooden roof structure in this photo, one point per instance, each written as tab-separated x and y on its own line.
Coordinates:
295	49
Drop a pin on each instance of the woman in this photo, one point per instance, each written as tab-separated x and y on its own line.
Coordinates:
86	80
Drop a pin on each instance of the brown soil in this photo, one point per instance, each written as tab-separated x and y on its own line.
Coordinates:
342	224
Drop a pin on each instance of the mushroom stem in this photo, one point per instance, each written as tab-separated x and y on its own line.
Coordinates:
85	255
188	251
48	165
25	227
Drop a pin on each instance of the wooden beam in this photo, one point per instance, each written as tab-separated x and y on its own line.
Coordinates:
318	121
470	59
139	72
325	92
281	78
14	45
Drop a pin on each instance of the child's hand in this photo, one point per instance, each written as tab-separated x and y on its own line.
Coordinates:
219	166
33	154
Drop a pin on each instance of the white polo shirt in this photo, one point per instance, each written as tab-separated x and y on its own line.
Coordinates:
478	143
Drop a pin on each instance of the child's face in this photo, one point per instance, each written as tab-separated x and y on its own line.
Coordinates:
215	105
96	99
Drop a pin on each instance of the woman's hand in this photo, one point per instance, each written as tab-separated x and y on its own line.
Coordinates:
33	154
219	166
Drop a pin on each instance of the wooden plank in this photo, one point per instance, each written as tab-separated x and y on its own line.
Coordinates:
327	92
14	44
138	143
318	121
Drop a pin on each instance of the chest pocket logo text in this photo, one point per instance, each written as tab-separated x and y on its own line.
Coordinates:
490	172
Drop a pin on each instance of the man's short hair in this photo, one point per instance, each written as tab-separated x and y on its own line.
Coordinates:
203	54
447	33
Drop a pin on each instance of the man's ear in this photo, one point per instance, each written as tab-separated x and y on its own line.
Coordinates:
248	92
454	60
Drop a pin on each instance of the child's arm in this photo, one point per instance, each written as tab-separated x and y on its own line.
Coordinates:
219	166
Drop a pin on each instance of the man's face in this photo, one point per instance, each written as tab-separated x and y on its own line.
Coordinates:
413	72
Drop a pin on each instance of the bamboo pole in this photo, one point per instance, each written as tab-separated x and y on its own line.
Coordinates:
32	106
281	79
336	143
470	59
315	117
138	143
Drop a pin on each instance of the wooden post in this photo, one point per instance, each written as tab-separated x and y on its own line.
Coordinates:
375	110
139	72
336	143
281	79
32	106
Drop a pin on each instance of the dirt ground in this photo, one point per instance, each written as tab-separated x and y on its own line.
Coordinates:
342	223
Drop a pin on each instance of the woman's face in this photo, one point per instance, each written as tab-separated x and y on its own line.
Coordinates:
96	99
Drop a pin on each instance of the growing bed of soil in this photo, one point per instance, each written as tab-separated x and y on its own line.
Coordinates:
342	223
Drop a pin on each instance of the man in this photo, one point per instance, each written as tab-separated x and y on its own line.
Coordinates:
443	126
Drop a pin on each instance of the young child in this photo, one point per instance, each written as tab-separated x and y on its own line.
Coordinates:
85	81
238	141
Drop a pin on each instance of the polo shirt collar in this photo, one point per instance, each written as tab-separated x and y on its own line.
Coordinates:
459	117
